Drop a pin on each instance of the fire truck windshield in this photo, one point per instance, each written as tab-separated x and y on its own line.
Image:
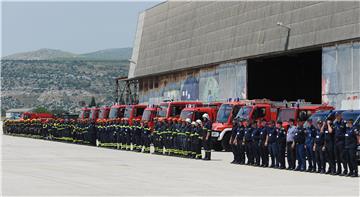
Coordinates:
146	115
163	110
84	114
186	114
102	114
316	117
224	113
128	112
93	114
286	115
113	113
244	112
351	115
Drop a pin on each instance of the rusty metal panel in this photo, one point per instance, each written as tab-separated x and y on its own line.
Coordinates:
340	76
209	84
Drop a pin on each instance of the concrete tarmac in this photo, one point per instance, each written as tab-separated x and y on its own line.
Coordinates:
39	167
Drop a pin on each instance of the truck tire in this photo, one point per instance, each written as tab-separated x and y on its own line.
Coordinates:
217	146
225	142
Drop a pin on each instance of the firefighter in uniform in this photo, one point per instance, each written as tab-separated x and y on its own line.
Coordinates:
207	136
339	129
232	140
240	142
197	139
255	136
351	138
309	144
281	143
319	148
249	143
192	152
263	148
146	132
299	143
128	133
329	146
272	145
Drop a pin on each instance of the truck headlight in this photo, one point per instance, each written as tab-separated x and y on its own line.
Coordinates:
215	134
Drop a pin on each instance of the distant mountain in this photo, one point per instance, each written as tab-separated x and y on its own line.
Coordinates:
57	79
41	54
53	54
109	54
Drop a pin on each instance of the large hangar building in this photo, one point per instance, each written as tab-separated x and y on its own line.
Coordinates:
212	51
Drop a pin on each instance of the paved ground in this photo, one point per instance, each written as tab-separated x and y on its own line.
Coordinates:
38	167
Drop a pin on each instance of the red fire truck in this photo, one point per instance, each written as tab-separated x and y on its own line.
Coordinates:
195	113
94	114
134	112
33	115
84	113
299	110
149	114
104	112
221	128
117	111
260	109
172	109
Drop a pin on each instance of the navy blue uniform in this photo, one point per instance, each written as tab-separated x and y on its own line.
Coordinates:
264	153
329	145
309	142
339	128
248	145
272	146
233	146
281	143
207	142
320	151
256	146
299	140
350	149
240	149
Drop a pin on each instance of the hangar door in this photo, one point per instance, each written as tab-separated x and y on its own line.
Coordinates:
292	76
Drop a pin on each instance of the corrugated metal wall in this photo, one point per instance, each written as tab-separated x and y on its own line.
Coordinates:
340	75
210	84
179	35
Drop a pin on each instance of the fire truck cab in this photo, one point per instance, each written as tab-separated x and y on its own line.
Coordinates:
104	113
195	113
172	109
299	110
221	128
84	113
149	115
134	112
259	109
117	111
94	114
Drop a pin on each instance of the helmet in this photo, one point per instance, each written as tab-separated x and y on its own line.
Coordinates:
206	116
199	122
188	120
194	123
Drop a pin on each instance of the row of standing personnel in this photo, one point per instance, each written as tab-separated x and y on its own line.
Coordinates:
169	137
328	147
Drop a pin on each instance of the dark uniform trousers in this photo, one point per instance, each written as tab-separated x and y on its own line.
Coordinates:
256	151
249	152
264	154
320	158
281	154
291	156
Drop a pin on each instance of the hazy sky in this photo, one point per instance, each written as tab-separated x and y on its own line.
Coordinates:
77	27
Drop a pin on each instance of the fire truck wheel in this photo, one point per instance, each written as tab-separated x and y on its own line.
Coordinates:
217	146
225	142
